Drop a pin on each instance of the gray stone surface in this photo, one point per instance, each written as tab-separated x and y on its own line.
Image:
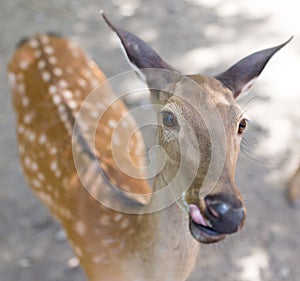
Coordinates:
194	36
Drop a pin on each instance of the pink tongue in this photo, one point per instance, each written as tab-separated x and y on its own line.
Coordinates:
196	215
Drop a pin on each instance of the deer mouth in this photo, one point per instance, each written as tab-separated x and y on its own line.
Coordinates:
201	228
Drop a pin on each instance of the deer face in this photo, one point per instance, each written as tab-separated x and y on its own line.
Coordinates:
200	129
198	119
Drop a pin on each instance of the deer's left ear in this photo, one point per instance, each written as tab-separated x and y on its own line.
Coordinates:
139	54
241	76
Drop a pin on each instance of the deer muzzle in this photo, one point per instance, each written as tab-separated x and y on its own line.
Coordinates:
219	215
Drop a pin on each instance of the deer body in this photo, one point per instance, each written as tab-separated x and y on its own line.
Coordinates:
51	79
46	155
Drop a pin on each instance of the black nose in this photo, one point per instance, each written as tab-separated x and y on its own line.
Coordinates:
225	212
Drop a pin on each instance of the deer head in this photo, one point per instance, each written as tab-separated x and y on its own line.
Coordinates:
200	128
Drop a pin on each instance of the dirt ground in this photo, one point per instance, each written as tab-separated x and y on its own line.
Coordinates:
202	36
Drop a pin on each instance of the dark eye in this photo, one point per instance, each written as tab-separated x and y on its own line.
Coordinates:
242	126
169	119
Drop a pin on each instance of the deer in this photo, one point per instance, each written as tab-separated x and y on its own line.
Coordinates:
120	227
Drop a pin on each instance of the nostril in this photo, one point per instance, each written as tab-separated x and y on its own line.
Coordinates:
217	208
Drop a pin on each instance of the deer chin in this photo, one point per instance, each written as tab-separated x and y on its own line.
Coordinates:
200	229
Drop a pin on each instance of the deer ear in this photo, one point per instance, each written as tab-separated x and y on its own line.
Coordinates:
241	76
140	55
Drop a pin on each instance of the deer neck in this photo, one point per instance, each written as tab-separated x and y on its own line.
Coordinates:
162	234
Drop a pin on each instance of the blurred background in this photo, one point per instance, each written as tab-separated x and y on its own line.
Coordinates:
195	36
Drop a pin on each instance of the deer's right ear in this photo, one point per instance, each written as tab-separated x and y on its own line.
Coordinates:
139	54
241	76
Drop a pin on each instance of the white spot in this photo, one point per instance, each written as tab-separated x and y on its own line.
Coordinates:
42	178
82	83
46	76
41	64
27	119
72	45
46	198
53	150
61	109
45	39
42	139
27	161
64	212
24	64
112	123
87	73
108	242
37	54
57	173
48	50
53	165
72	104
33	43
124	123
36	183
97	259
101	106
92	64
118	217
12	80
80	228
105	220
52	60
31	136
64	118
21	129
56	99
67	94
94	114
94	83
57	71
78	251
25	101
63	84
52	89
124	223
34	166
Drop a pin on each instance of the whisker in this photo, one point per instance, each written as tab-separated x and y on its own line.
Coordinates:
251	156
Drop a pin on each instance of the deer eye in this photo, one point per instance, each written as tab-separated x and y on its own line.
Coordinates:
169	119
242	126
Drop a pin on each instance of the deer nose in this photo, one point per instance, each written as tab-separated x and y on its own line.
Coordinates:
225	212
